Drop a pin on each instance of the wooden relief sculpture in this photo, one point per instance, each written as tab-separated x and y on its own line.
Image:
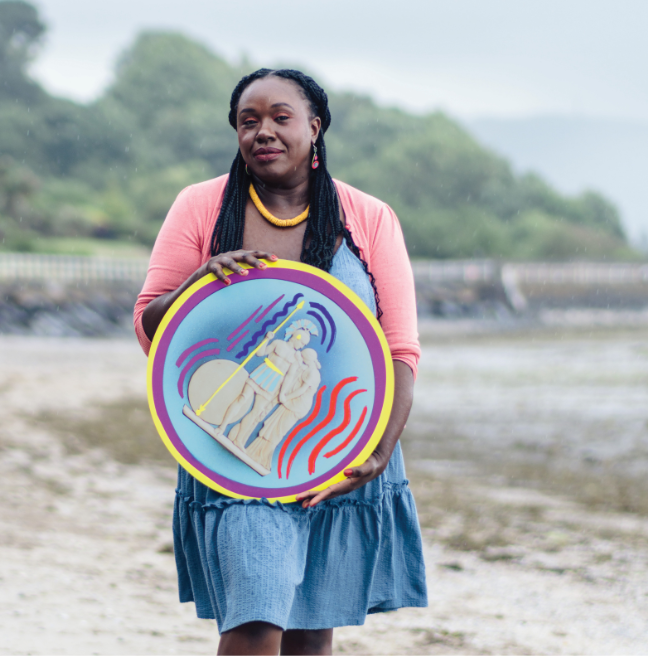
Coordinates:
272	385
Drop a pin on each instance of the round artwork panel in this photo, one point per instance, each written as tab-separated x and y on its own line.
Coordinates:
272	385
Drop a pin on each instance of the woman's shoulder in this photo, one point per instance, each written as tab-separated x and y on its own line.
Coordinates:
358	201
209	192
364	213
194	213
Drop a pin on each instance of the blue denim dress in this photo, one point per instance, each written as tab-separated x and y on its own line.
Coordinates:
245	560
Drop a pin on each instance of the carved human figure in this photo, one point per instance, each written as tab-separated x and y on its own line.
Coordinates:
295	399
264	384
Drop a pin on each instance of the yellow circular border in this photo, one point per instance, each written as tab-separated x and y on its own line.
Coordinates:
385	413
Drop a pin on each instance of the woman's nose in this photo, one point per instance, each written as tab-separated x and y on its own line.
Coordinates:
266	131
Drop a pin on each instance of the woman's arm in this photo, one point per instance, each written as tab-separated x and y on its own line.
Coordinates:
380	237
158	307
378	460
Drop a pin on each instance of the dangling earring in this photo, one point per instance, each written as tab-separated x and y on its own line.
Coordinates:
315	162
246	170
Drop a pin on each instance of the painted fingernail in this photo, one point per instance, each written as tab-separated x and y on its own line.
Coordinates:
227	281
348	472
273	257
244	272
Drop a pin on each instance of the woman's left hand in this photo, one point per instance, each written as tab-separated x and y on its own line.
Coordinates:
378	460
356	477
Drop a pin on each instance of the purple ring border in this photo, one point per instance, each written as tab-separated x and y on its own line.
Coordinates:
289	275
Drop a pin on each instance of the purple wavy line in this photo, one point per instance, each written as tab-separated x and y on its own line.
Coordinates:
325	312
267	324
268	308
321	323
193	348
200	356
237	340
244	323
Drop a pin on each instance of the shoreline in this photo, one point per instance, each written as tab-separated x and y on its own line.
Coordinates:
517	561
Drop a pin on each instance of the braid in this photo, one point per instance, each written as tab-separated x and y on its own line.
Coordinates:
228	233
324	223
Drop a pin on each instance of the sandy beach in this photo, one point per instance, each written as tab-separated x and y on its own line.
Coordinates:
527	455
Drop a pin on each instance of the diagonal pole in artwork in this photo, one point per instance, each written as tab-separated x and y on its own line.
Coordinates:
202	408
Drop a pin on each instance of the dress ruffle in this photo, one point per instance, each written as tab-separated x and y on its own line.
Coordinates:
244	560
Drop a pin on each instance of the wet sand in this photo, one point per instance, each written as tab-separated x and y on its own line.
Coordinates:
527	455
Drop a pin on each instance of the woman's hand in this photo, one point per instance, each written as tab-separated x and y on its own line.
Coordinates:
157	308
230	260
356	477
379	459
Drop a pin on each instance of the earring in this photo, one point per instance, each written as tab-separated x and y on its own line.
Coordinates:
315	162
246	170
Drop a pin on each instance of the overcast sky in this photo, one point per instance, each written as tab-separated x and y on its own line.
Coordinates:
469	57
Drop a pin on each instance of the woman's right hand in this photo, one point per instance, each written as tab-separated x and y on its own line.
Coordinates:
230	261
156	309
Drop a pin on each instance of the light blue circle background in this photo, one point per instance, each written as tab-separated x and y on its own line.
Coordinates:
218	316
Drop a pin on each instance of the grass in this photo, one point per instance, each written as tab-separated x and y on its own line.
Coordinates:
599	489
462	519
88	246
123	429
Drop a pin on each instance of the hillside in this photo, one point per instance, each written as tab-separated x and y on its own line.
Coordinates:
576	152
109	170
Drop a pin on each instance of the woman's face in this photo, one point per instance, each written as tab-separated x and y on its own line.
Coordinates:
275	131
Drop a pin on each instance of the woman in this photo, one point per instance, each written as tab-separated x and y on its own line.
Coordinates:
280	577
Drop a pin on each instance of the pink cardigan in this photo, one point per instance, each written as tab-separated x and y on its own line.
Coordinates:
184	244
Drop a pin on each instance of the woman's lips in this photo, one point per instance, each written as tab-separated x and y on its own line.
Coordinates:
266	154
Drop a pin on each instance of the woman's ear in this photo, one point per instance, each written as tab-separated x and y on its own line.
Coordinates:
315	127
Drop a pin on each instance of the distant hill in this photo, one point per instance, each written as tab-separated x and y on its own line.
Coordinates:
576	153
110	169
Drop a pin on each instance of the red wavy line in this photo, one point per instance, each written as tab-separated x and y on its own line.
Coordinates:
323	423
286	444
352	434
331	434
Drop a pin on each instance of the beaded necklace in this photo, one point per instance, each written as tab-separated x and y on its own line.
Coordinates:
280	223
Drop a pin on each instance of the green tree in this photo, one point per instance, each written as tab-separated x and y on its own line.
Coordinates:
163	71
20	34
112	168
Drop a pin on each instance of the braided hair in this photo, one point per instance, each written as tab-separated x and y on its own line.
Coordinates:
324	223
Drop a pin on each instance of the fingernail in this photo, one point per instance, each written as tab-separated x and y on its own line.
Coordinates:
348	472
273	257
244	272
227	281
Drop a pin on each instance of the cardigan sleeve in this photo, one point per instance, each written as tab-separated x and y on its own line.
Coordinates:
390	265
177	253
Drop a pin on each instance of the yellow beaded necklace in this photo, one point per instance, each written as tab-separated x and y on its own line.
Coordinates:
280	223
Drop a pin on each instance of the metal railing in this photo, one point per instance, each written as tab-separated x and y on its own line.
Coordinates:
69	268
547	273
584	273
31	266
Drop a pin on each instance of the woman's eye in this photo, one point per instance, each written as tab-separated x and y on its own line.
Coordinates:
282	118
249	122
